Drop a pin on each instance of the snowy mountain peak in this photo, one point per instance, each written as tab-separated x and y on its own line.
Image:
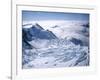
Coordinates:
32	25
37	32
38	26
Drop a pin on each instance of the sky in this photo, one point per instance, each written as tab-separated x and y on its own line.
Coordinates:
40	15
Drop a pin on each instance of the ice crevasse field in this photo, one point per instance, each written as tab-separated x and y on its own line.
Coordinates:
55	43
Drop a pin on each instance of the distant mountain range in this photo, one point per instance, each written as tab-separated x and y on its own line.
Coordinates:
35	32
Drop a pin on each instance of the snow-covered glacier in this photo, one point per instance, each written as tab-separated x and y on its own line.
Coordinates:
48	45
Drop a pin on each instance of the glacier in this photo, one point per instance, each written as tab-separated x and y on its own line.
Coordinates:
62	44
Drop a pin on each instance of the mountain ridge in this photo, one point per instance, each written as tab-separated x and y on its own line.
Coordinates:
35	32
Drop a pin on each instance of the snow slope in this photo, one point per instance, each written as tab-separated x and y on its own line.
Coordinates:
70	48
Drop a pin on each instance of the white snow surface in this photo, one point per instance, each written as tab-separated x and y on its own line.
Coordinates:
58	56
58	53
